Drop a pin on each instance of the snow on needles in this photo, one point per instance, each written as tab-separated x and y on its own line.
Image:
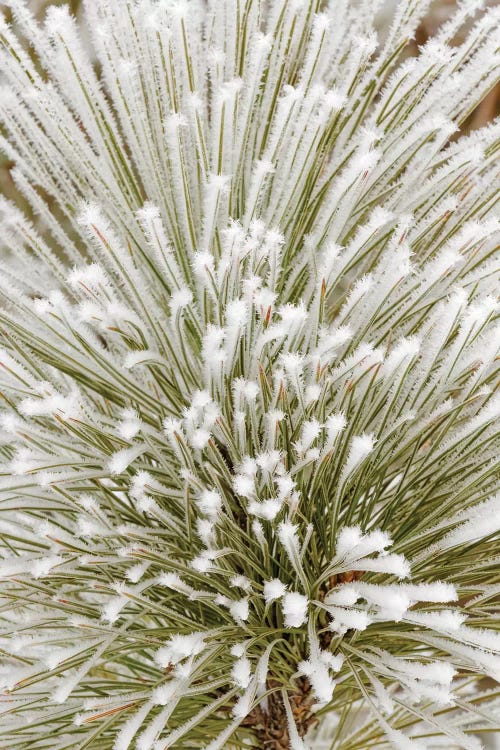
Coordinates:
248	427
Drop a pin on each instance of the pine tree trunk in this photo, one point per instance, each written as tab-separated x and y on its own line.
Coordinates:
270	723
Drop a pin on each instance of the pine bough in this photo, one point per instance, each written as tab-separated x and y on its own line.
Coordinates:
248	367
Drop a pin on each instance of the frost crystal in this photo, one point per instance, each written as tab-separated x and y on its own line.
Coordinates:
249	427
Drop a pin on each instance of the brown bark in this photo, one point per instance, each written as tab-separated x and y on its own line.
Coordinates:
270	724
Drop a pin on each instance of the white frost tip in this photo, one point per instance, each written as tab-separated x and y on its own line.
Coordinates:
241	582
121	460
361	447
90	276
241	672
244	485
180	298
203	263
180	647
295	609
239	610
268	509
210	503
42	566
273	590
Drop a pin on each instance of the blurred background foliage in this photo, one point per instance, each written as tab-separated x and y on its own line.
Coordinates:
7	187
